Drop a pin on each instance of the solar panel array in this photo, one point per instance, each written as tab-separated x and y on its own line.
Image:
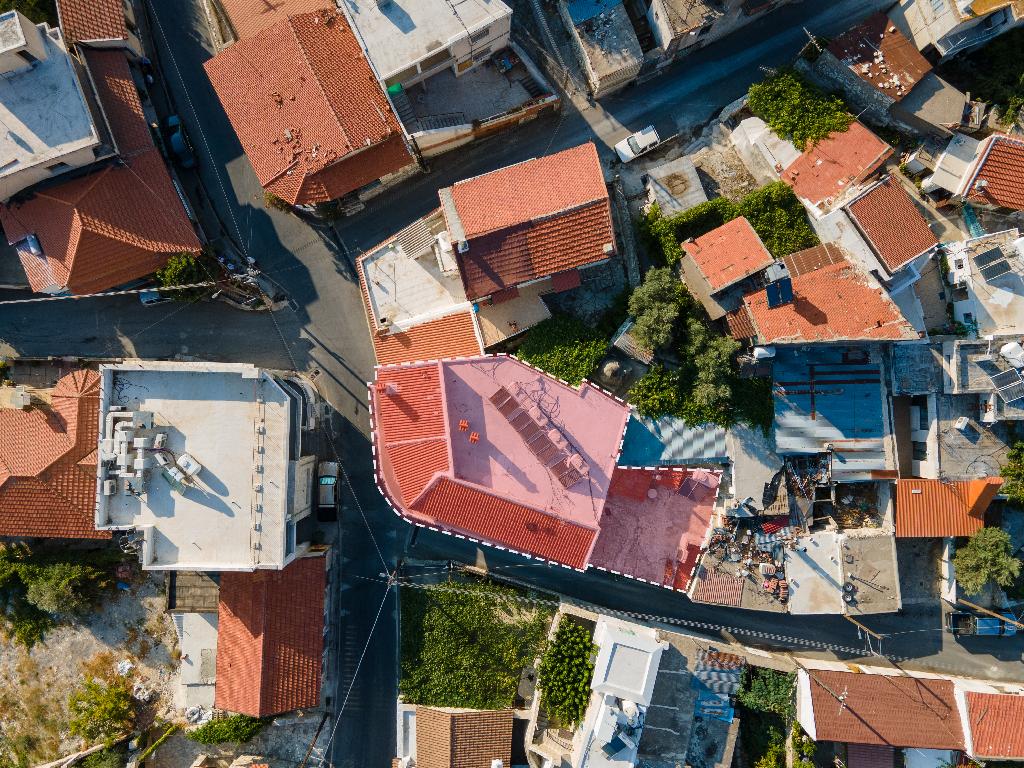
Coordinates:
564	466
1009	385
992	264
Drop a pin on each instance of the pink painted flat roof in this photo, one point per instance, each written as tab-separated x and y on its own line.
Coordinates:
584	422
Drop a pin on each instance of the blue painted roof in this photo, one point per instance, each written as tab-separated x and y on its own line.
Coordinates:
581	10
668	440
822	399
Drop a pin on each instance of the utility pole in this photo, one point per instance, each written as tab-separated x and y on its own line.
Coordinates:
869	632
993	614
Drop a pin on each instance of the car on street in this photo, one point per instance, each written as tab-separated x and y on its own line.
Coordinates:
153	296
327	500
179	143
637	144
961	624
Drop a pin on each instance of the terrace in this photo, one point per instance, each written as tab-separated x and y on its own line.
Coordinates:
988	277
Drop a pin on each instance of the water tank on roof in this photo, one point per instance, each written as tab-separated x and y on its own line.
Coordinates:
1013	353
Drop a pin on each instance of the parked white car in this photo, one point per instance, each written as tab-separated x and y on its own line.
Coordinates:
637	144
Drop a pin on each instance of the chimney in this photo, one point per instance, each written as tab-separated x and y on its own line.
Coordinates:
391	389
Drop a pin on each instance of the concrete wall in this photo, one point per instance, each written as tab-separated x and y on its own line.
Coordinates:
609	81
25	178
437	141
10	61
832	75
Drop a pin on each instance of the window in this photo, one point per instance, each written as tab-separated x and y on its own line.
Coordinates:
27	57
289	544
920	451
480	34
58	167
401	77
438	57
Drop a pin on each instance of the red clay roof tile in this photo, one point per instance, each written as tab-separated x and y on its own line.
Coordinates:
450	336
447	738
47	481
834	303
111	226
308	109
892	223
885	710
939	508
249	17
1001	168
533	219
829	167
86	20
728	254
875	44
270	639
997	725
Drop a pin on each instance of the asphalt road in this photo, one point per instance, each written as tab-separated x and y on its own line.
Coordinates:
325	334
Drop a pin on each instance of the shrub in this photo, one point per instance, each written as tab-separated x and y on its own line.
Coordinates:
101	710
779	219
61	587
106	758
662	235
766	690
564	347
1013	474
236	728
186	269
710	359
796	110
565	673
657	393
270	200
774	755
986	557
655	304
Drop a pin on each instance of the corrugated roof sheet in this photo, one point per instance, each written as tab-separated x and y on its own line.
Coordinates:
270	639
870	756
48	464
891	222
833	165
308	109
879	54
814	258
885	710
114	225
530	220
671	441
728	254
939	508
997	725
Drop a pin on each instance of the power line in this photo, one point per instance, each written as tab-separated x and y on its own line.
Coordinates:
71	297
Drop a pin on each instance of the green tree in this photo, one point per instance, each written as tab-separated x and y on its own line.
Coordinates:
35	10
657	393
779	219
1013	474
986	557
710	358
767	690
564	347
236	728
565	673
106	758
655	304
101	710
61	587
187	269
796	110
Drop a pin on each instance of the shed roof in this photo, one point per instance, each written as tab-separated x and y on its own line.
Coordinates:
728	254
308	109
1001	167
997	725
269	644
48	463
892	224
940	508
462	738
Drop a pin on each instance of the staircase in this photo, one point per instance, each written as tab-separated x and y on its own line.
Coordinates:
416	239
532	87
446	120
405	112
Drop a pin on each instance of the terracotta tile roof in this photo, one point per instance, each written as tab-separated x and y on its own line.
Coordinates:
269	644
892	223
739	324
728	254
524	529
717	588
47	463
451	336
85	20
835	303
831	166
997	725
249	17
1001	167
885	710
870	756
875	44
813	258
111	226
452	738
530	220
308	109
936	508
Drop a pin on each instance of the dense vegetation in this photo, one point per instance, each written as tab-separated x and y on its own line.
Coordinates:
564	347
796	110
655	306
987	557
565	673
993	73
466	646
773	211
36	587
187	269
766	699
236	728
1013	474
36	10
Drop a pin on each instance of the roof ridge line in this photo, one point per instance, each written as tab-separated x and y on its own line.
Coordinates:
316	75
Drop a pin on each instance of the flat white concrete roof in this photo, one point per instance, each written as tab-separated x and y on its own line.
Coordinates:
814	574
996	303
399	33
235	421
953	164
43	113
406	283
627	661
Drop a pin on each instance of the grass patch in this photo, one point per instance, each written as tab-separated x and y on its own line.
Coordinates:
565	347
466	646
992	73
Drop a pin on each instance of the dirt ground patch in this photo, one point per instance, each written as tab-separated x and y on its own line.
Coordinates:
722	173
34	684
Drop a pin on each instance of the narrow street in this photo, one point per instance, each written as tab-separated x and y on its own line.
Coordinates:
323	332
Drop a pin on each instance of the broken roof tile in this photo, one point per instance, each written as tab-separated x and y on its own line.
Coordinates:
833	165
